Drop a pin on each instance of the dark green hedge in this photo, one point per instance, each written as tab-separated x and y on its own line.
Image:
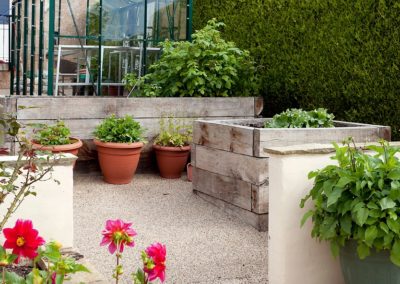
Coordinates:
343	55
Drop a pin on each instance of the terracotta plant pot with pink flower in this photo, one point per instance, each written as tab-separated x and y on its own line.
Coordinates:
56	139
172	147
119	142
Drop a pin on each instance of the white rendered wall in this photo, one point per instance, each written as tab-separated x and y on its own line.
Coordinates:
51	211
4	43
293	256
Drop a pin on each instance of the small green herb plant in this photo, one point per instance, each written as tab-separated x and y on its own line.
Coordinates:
208	66
57	134
119	130
358	199
173	133
298	118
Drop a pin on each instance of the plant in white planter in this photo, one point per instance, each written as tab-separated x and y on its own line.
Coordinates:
356	209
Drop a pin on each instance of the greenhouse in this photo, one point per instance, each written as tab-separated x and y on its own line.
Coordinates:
70	47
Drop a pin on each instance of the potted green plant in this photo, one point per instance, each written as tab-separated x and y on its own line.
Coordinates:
356	209
56	139
172	147
119	142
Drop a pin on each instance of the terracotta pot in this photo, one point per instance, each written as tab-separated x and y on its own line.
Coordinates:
171	161
67	148
118	161
189	171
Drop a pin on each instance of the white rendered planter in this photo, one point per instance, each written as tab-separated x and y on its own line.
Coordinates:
51	211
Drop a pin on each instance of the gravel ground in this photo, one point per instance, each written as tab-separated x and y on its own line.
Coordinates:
204	244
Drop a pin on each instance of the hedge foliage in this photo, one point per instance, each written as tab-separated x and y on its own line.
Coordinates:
338	54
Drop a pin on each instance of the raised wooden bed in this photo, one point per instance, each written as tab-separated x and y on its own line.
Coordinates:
82	114
231	167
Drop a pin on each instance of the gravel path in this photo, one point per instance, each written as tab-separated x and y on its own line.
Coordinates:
204	244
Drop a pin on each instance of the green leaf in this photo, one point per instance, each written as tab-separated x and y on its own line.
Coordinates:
80	268
387	240
363	250
328	228
334	196
3	253
393	225
361	215
384	227
60	279
395	185
394	174
312	174
372	205
139	277
328	186
387	203
370	235
346	224
36	276
13	278
394	194
305	217
395	253
343	181
335	248
345	207
392	215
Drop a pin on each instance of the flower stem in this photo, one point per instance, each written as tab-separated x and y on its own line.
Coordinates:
117	269
4	275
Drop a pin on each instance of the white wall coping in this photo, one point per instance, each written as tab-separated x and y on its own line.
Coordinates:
64	159
314	148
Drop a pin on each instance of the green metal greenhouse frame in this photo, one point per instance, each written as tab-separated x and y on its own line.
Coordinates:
23	28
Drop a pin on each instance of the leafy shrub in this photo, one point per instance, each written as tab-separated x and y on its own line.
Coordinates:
337	54
173	133
206	67
298	118
358	199
57	134
119	130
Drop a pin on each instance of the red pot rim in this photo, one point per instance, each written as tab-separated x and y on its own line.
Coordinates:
172	149
118	145
67	147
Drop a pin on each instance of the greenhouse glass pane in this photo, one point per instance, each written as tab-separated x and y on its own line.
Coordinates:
122	19
166	19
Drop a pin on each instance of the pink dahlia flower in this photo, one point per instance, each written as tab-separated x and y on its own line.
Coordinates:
157	253
23	239
117	234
